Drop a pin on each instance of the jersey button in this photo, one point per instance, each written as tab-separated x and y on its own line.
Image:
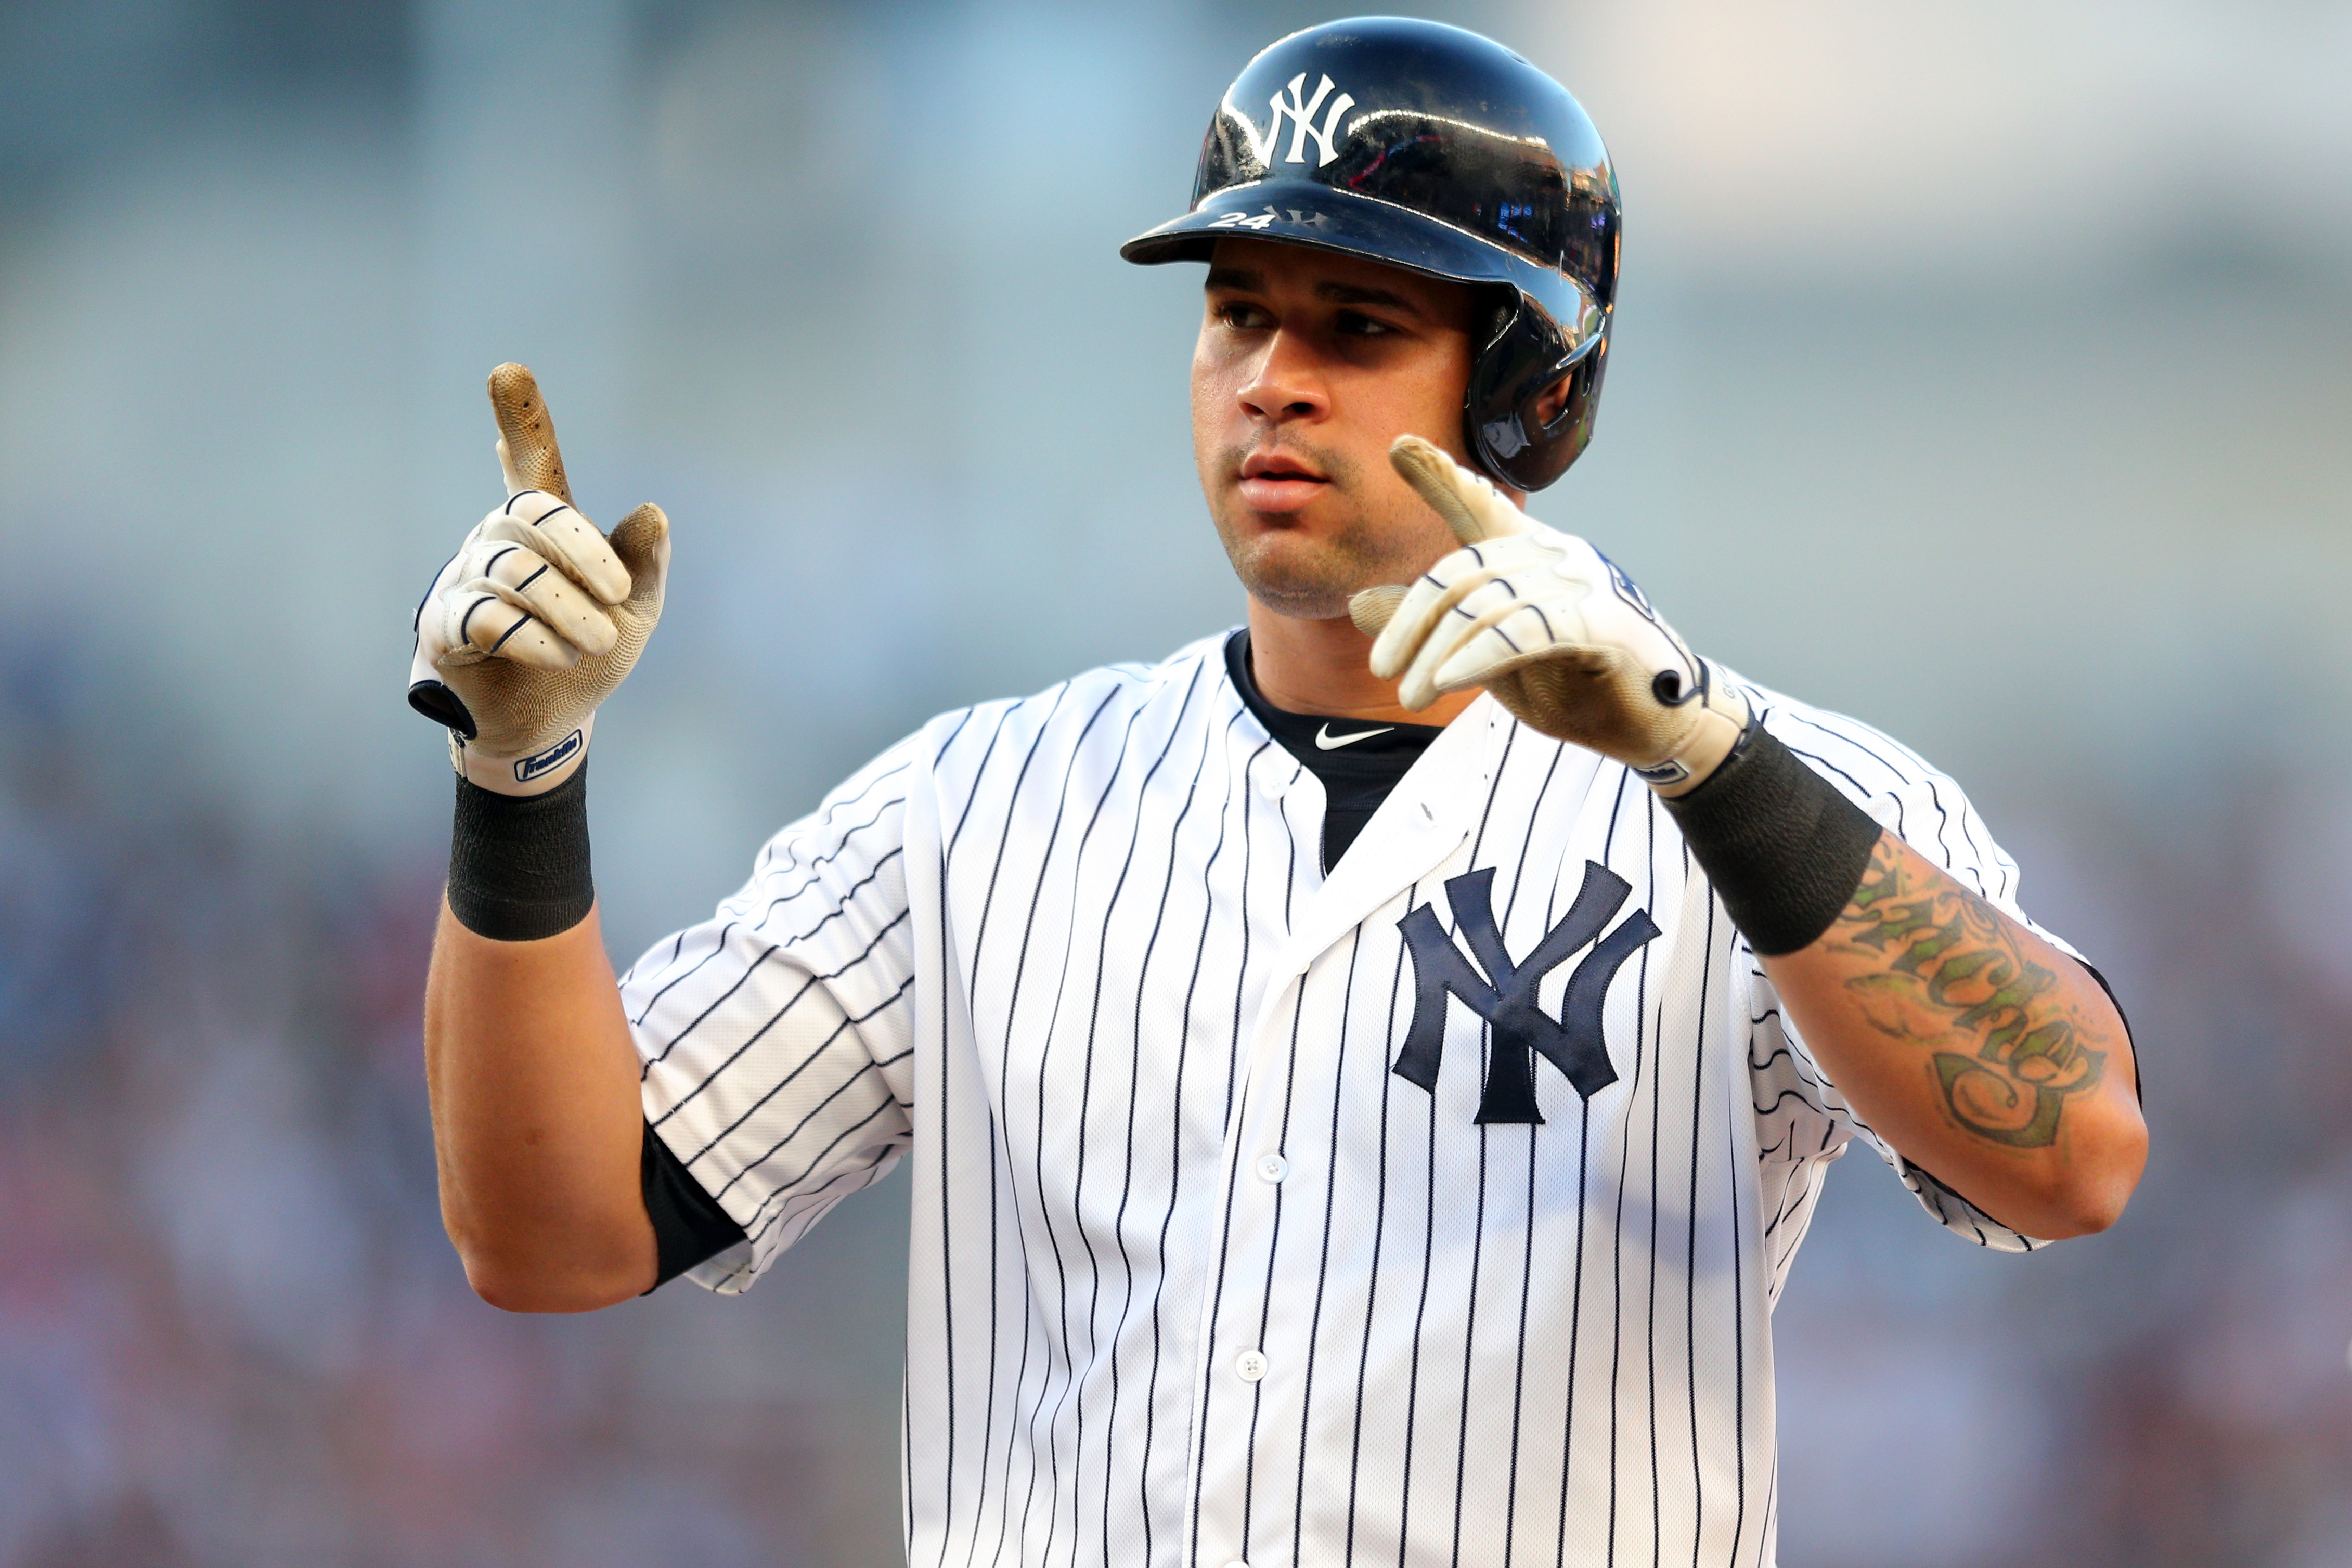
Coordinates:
1249	1366
1236	1562
1273	1168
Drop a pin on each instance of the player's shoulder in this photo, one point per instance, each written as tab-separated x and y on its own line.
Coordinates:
1902	790
1859	756
994	759
1096	708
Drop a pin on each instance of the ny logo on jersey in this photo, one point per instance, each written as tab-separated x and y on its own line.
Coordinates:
1505	996
1301	111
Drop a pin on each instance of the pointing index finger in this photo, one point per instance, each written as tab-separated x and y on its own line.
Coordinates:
1473	508
527	448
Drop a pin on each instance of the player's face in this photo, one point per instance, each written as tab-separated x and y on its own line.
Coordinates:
1309	364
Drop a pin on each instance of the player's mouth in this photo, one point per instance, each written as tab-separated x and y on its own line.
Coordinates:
1274	482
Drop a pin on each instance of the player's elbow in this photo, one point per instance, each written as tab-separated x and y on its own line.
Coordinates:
531	1288
505	1289
2091	1193
2068	1218
515	1275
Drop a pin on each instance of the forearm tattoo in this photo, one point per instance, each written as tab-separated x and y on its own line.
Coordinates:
1945	970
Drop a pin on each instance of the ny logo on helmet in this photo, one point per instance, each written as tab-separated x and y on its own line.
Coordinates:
1518	1029
1301	110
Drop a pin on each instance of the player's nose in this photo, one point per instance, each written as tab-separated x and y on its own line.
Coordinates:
1286	383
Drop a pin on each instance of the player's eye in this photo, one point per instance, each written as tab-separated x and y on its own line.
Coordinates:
1243	316
1356	324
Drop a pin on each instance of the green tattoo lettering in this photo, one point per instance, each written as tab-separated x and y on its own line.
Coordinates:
1949	965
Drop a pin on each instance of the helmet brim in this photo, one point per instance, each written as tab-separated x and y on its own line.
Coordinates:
1294	212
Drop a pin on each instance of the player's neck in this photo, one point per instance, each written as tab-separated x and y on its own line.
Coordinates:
1320	667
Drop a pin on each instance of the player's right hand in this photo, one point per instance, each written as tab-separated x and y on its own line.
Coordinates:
1552	628
538	617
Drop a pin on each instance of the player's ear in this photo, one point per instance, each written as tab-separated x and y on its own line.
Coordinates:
1552	401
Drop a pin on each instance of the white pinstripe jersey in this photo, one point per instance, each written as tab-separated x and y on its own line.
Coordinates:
1197	1277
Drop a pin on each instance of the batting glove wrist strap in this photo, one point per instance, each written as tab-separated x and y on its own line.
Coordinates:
519	865
1784	849
534	774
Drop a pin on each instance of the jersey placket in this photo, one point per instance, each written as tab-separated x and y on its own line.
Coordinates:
1249	1394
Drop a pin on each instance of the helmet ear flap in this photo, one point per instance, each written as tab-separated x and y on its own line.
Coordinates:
1524	358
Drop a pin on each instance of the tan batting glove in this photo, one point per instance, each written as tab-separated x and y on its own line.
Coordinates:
538	617
1550	627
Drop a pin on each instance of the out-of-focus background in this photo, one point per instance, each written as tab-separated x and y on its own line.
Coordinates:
1983	369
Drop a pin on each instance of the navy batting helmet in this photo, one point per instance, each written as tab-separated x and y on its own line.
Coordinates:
1430	148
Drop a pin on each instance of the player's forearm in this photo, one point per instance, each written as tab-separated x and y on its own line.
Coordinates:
536	1120
1984	1054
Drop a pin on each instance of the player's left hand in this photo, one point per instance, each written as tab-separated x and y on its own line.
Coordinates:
1548	625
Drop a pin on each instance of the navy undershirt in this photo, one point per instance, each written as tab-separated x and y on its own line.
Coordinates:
1355	775
689	1227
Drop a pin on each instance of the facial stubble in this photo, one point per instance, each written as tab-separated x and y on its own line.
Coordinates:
1308	572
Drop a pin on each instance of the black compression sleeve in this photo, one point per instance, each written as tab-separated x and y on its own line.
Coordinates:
689	1227
519	865
1784	849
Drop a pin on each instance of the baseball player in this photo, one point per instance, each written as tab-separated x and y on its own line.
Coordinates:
1366	1075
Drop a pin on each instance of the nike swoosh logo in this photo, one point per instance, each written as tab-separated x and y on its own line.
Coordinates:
1326	741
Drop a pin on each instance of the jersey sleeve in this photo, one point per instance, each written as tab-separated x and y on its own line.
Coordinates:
1801	1116
777	1036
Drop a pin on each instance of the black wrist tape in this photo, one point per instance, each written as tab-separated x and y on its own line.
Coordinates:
1784	849
519	865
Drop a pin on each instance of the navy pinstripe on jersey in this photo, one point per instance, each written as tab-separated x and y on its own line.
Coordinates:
1197	1277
